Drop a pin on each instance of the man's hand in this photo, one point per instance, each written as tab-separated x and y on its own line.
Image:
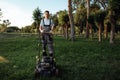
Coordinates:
51	31
42	30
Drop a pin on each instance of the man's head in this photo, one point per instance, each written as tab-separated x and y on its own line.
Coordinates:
46	14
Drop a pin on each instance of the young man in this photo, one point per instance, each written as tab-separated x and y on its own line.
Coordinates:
46	27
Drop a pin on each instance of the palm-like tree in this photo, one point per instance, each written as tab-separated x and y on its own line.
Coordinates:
88	14
6	23
103	3
37	17
71	19
0	13
80	18
113	13
63	20
77	3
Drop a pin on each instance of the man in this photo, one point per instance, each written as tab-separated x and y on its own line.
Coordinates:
46	27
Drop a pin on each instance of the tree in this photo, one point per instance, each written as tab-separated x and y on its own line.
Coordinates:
103	3
77	3
26	29
80	18
63	20
12	29
114	10
33	27
107	25
55	19
71	20
37	17
91	20
4	25
6	22
99	19
0	14
88	14
0	20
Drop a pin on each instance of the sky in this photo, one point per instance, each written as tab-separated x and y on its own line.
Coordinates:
19	12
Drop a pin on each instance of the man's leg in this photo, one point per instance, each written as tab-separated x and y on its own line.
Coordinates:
44	49
44	45
50	48
50	45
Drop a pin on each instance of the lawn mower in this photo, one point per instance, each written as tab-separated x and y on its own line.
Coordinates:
46	66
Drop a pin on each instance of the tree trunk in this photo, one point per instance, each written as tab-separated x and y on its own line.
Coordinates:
112	32
91	31
100	32
105	31
88	13
63	31
37	25
66	31
71	20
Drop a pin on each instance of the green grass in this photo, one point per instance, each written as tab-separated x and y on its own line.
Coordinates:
79	60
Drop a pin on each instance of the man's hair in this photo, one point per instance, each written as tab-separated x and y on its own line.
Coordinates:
47	11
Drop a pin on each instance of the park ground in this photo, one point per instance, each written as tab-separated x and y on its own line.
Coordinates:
80	60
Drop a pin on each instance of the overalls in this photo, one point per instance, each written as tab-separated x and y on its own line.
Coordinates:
47	40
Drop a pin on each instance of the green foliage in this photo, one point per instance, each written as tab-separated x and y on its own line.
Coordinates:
63	17
94	7
91	19
114	4
80	16
30	28
78	3
4	25
115	7
100	16
81	60
26	29
37	15
6	22
2	28
34	25
12	29
0	13
55	19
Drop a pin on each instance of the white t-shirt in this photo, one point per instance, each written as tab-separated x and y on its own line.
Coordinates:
46	22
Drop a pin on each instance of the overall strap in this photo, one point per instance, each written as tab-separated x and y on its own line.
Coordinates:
43	22
47	25
50	22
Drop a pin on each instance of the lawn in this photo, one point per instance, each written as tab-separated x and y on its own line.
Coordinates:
79	60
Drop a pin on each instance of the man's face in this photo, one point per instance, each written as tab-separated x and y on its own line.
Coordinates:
46	15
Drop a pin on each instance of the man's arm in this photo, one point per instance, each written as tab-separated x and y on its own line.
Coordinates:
52	25
41	26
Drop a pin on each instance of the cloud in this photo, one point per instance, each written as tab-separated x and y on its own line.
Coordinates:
17	16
